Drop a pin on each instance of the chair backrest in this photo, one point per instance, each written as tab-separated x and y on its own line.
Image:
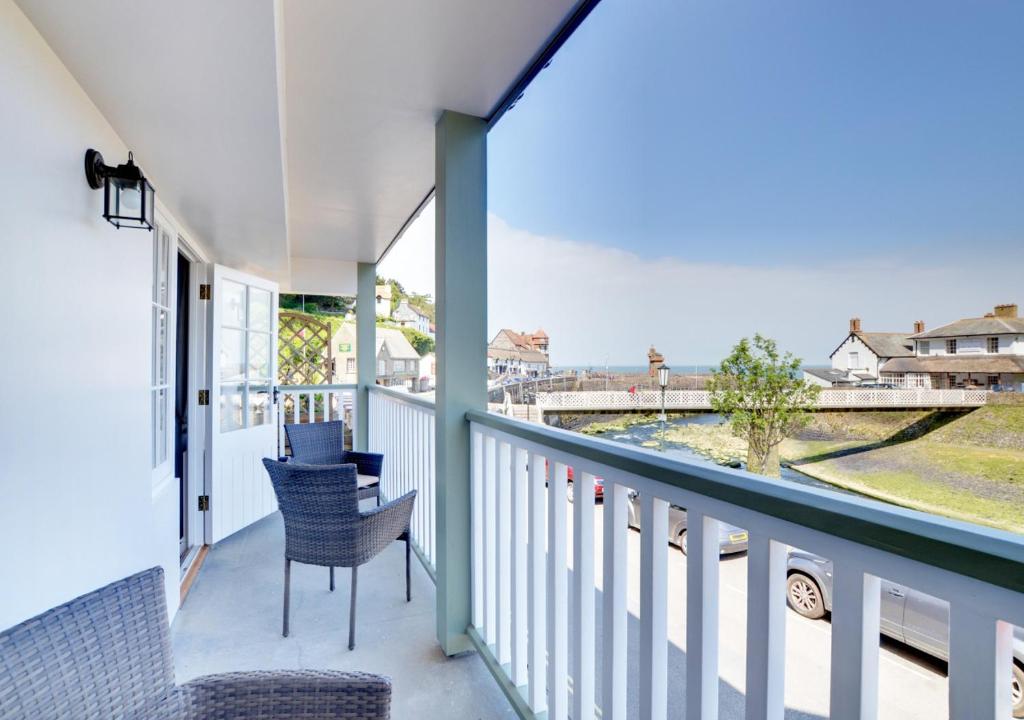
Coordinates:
103	655
321	443
320	506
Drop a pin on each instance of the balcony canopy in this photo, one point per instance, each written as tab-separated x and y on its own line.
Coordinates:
293	138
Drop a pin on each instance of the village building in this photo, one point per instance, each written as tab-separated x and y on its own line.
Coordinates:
982	352
406	315
398	363
384	300
654	360
985	352
518	353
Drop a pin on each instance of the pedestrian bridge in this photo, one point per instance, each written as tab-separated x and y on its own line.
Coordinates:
700	400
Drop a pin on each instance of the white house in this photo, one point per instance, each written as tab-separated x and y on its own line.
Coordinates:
383	300
406	315
518	353
984	352
860	355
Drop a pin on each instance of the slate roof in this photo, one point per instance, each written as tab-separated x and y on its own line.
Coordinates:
398	347
975	326
883	344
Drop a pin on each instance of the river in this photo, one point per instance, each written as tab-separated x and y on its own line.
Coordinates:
636	435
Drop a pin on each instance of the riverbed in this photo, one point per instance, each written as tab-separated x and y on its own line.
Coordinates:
647	433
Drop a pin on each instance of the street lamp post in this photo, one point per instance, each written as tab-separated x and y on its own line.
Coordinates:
663	371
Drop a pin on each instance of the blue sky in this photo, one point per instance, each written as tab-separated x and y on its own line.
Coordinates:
687	173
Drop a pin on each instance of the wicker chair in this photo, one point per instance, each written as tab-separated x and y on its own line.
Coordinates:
107	655
324	526
323	443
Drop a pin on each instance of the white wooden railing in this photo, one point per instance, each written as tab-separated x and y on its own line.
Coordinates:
521	611
402	428
314	403
676	400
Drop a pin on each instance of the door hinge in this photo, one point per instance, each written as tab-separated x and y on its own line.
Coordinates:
205	292
204	503
204	397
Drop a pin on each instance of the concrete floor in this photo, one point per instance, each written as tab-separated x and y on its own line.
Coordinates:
231	620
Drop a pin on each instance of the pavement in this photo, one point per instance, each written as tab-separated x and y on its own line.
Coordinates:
912	685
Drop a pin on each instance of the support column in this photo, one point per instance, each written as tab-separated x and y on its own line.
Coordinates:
366	345
461	291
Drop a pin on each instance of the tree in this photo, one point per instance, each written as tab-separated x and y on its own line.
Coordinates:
764	398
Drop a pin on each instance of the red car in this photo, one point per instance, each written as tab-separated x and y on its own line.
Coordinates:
598	483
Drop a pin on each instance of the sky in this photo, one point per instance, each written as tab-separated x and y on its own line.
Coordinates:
685	174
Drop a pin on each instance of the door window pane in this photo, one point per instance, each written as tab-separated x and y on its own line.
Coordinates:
259	356
232	354
233	309
159	427
260	310
259	405
231	398
159	346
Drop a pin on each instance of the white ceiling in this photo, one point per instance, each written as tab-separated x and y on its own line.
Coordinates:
292	128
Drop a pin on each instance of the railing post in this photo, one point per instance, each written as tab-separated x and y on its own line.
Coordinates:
366	350
461	287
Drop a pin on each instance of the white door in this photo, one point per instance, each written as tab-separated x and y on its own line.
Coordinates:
243	419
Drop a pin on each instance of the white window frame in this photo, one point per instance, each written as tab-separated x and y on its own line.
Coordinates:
164	247
989	343
350	366
853	360
398	366
924	347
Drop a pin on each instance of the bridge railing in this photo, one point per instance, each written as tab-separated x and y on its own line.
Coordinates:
678	400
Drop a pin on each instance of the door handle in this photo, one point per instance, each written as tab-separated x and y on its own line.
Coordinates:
896	592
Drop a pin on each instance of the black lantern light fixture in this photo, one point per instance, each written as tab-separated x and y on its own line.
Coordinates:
128	198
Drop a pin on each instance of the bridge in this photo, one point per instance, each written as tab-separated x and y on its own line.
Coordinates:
622	401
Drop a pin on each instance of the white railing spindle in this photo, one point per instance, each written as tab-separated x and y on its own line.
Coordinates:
856	602
766	628
537	636
614	652
701	616
653	608
558	595
583	596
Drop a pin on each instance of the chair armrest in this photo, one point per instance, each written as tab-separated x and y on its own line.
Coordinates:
381	526
366	463
288	694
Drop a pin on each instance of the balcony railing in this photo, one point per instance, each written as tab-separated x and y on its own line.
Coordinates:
315	403
402	428
521	611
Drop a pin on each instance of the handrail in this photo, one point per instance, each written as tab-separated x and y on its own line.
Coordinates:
993	556
317	388
408	398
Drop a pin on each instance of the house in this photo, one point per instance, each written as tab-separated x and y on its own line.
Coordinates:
383	300
860	355
146	448
397	362
406	315
985	352
518	353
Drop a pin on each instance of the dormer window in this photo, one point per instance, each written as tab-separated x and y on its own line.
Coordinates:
951	346
993	345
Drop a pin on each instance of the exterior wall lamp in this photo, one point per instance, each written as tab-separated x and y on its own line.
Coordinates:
128	198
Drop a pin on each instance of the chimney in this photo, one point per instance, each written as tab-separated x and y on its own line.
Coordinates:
1006	311
918	326
855	325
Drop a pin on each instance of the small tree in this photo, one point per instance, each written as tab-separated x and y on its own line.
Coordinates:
764	398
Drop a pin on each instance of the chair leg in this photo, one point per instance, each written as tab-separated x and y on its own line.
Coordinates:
287	593
408	578
352	614
332	578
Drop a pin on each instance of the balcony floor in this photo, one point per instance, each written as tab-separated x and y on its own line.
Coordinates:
231	620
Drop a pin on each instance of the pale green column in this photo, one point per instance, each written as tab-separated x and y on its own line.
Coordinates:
366	345
461	292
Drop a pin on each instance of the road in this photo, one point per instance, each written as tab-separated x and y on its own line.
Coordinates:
912	686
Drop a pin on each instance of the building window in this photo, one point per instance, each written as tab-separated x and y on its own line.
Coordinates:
993	345
382	367
924	347
993	379
951	346
854	361
350	365
246	360
399	366
161	316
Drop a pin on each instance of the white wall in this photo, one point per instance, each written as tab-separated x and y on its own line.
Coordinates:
867	361
78	508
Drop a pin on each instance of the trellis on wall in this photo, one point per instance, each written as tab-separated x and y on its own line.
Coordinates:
303	350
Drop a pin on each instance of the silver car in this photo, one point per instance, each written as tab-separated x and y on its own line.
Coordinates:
731	539
907	615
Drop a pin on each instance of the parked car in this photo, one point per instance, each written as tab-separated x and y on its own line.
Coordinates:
907	615
598	483
731	539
